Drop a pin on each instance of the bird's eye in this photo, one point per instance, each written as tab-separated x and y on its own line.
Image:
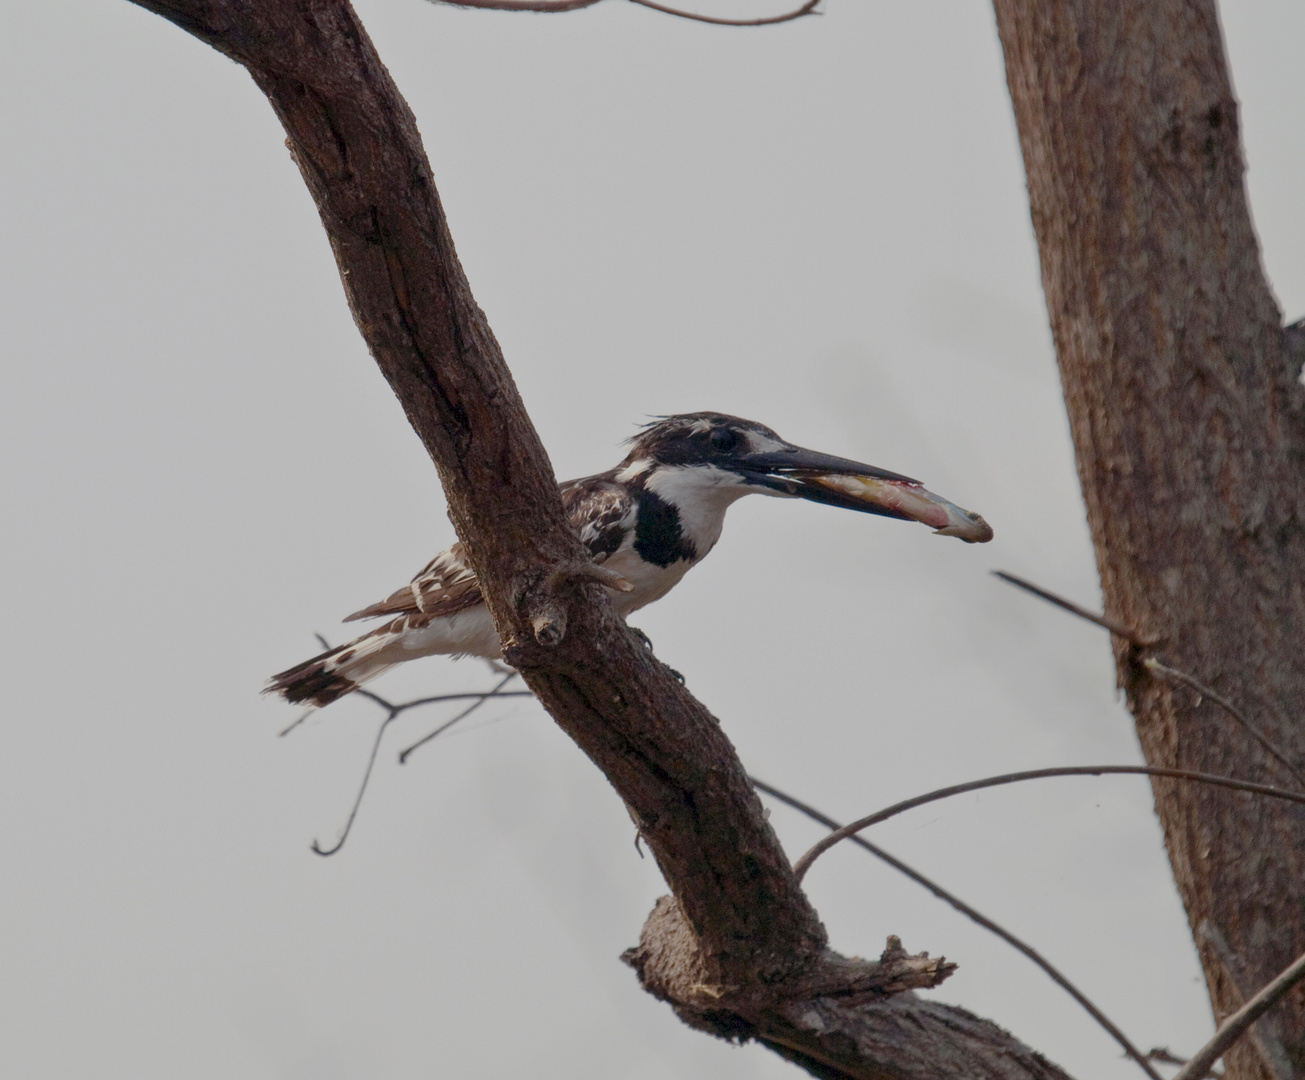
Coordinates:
723	439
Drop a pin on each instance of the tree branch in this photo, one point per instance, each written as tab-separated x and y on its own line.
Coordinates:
825	843
558	6
1155	667
1054	973
739	950
1240	1022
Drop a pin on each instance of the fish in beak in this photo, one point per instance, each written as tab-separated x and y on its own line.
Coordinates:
807	474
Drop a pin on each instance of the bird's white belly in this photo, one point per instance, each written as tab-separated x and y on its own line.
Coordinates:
472	632
469	632
651	582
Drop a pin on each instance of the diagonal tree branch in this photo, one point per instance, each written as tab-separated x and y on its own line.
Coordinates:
738	951
1053	972
1232	1029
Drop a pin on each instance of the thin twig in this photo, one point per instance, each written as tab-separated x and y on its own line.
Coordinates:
542	6
978	917
1154	665
404	706
557	6
809	8
1165	1056
393	711
465	696
403	757
820	847
296	722
1068	605
362	788
1237	1025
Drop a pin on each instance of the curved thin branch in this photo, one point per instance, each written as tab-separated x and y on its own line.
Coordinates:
393	712
820	847
809	8
540	6
1239	1023
362	790
555	6
988	924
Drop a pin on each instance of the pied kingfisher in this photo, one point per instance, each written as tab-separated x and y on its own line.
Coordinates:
649	520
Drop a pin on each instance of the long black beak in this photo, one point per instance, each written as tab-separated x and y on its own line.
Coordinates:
808	474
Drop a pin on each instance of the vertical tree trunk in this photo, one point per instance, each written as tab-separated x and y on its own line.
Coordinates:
1188	428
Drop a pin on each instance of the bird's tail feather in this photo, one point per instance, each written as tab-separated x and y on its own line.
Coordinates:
336	672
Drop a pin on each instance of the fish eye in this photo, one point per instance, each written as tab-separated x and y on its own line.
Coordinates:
723	439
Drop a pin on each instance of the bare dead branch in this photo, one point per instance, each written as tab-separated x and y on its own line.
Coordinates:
295	722
1068	605
465	695
988	924
362	790
808	8
820	847
539	6
1156	667
495	692
392	712
557	6
747	931
1165	1056
1239	1023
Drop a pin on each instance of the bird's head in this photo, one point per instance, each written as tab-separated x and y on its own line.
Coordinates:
714	452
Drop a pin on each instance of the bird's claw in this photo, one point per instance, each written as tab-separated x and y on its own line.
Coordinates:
647	644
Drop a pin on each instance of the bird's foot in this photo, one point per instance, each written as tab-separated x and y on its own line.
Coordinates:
647	644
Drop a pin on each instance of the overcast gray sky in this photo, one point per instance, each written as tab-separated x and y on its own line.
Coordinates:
822	226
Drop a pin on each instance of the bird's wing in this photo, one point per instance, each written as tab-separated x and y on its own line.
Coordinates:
601	511
446	586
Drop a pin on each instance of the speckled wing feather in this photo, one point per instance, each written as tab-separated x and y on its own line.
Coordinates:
445	586
601	511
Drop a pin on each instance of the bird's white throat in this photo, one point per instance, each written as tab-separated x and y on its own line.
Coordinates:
701	494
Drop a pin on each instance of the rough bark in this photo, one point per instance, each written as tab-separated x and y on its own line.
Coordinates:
739	951
1188	427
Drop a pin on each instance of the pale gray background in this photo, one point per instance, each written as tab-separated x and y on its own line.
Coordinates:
822	226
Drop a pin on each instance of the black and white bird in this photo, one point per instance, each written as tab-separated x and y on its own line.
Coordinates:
648	520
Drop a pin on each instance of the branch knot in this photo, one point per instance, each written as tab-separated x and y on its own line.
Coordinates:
544	605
